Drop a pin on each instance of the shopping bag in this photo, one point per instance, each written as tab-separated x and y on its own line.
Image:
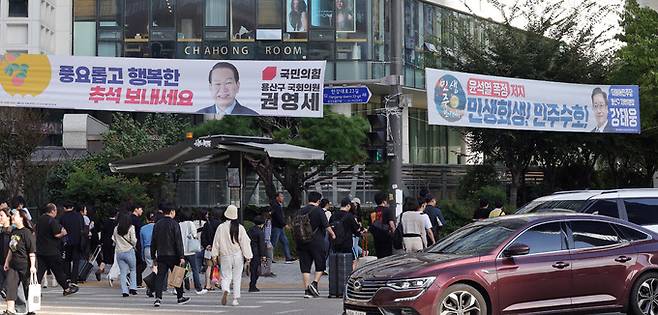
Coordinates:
150	281
34	295
265	268
114	270
176	277
216	276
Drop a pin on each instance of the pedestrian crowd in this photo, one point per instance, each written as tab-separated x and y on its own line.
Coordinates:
172	246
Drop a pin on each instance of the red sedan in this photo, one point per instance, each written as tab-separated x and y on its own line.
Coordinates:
542	263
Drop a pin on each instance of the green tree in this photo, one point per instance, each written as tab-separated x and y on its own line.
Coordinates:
556	43
340	137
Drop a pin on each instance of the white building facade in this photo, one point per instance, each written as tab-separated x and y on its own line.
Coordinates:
35	26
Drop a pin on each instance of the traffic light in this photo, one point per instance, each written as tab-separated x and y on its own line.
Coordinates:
377	138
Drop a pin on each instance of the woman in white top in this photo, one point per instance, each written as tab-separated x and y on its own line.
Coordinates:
125	241
188	232
233	247
413	226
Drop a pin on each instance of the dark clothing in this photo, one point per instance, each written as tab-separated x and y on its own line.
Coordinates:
380	230
22	244
53	263
166	263
254	265
5	237
167	239
73	255
481	214
239	109
47	228
74	224
107	230
158	216
436	217
343	243
314	252
208	232
15	277
278	218
319	224
141	265
257	238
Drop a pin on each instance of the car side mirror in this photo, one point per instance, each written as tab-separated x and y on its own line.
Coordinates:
516	250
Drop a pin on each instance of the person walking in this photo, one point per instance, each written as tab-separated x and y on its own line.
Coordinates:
278	227
145	235
232	245
126	241
258	249
20	262
190	240
483	211
106	228
167	252
19	203
313	251
382	226
345	227
5	237
267	234
413	226
49	234
326	206
435	215
207	237
73	222
136	220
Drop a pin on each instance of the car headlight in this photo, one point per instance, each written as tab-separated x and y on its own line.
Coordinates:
411	284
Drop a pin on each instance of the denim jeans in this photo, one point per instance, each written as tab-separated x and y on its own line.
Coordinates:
279	235
194	265
147	257
127	264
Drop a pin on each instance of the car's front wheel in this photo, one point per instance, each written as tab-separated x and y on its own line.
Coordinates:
462	299
644	296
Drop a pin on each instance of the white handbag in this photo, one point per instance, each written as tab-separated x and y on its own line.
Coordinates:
34	295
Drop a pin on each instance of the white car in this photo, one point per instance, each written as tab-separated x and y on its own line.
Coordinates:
636	205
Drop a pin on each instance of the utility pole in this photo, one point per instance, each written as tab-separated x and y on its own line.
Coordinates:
394	107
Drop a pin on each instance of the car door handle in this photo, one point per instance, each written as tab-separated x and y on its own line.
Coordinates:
622	259
560	265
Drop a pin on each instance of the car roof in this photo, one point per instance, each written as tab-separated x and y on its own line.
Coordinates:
570	195
530	218
600	194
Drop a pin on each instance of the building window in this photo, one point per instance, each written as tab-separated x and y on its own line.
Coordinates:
243	20
163	13
84	33
269	13
189	19
137	19
18	8
109	49
216	12
322	13
109	13
83	10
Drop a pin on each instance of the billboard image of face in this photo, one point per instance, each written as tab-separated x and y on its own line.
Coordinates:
297	13
345	21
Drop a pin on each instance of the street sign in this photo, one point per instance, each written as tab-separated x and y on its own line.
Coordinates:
347	95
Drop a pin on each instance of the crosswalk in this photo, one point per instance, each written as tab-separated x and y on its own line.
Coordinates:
105	300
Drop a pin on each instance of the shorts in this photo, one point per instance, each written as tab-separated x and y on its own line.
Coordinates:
316	255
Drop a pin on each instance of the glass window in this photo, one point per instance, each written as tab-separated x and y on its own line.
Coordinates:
476	239
84	38
269	13
109	49
321	51
543	238
82	9
642	211
410	24
428	22
163	49
322	13
216	12
296	16
587	234
190	22
243	20
604	207
630	234
137	12
162	13
18	8
109	13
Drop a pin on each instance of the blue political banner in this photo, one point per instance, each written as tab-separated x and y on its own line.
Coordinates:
479	101
346	95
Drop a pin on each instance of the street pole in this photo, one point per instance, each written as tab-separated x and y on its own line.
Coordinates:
394	107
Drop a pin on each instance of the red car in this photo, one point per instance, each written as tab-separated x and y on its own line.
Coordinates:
540	263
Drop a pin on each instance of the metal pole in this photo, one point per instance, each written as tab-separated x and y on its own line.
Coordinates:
395	120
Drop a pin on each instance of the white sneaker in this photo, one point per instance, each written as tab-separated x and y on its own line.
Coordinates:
235	303
202	292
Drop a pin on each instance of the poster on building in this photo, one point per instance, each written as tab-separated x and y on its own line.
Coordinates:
345	21
250	88
479	101
297	13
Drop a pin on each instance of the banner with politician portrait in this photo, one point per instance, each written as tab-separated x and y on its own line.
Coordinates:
250	88
479	101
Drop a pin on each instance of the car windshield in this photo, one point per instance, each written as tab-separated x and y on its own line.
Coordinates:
476	239
539	206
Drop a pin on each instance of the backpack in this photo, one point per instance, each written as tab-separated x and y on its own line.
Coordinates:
398	236
340	231
302	230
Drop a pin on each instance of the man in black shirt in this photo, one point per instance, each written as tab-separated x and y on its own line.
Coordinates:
344	226
314	251
74	224
167	252
49	234
483	211
382	226
278	227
